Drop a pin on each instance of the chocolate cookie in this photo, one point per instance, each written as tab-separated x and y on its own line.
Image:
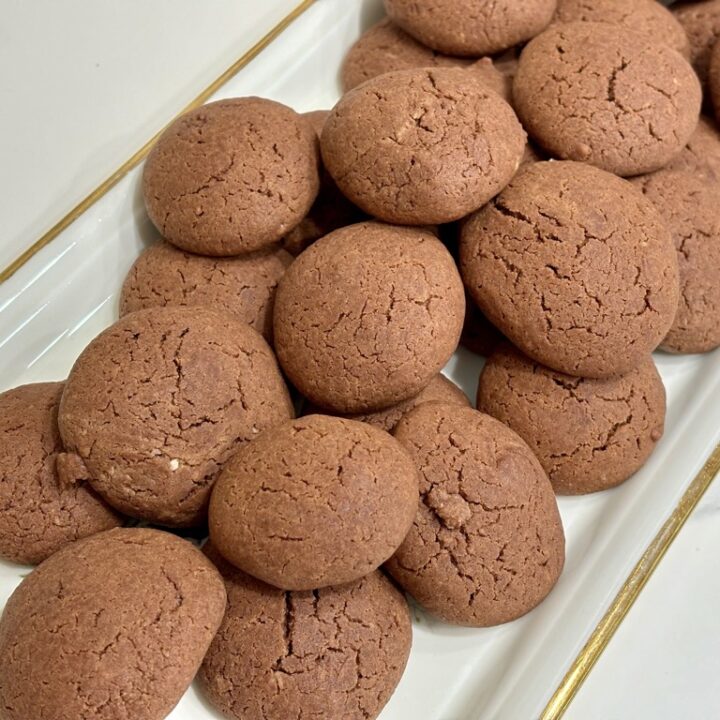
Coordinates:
113	626
471	27
701	21
422	147
607	96
589	435
322	655
701	155
243	286
232	176
487	544
645	16
714	79
384	48
366	316
575	267
330	211
689	205
315	502
157	402
440	389
39	513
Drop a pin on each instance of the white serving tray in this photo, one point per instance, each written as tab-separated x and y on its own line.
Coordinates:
67	293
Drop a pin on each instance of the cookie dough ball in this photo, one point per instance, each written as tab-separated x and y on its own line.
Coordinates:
646	16
158	402
606	95
575	267
589	435
315	502
384	48
243	286
366	316
689	206
113	626
328	654
714	79
330	211
39	513
701	21
701	155
231	177
471	27
487	544
440	389
422	147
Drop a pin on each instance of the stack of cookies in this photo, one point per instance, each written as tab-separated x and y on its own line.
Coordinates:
533	178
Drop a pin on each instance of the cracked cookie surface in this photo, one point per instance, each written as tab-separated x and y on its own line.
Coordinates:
487	544
589	435
386	47
471	27
367	316
689	205
113	627
314	502
646	16
38	513
422	146
243	286
318	655
158	402
232	176
439	389
701	21
606	95
575	266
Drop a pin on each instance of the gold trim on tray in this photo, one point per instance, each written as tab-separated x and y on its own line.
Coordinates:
630	591
139	156
604	631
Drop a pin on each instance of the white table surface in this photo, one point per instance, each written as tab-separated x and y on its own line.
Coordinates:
84	83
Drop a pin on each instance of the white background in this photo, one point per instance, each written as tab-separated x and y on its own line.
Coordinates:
84	83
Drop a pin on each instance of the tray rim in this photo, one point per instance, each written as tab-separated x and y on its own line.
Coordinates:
634	583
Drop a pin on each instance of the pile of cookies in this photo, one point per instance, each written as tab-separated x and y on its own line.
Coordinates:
274	379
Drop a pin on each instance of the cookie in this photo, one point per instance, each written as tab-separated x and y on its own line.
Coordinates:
315	502
606	95
384	48
689	206
487	544
701	155
471	27
243	286
589	435
701	21
367	316
714	78
327	654
231	177
113	626
158	402
422	147
645	16
331	209
440	389
575	267
39	513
